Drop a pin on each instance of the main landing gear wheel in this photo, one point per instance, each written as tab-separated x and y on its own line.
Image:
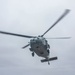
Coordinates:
33	54
48	51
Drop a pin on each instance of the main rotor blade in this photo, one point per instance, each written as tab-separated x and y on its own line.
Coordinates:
59	38
2	32
25	46
61	17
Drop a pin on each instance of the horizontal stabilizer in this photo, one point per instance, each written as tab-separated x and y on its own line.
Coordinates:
50	59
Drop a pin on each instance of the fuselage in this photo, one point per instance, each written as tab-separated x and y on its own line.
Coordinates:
40	46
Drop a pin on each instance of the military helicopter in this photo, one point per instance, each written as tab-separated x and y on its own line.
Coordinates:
38	44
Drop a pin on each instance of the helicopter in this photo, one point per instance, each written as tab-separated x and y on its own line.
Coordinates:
39	44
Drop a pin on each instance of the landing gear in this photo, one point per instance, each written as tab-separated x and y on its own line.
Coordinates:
32	51
48	63
33	54
48	51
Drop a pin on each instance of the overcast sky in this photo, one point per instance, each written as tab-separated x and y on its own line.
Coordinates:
34	17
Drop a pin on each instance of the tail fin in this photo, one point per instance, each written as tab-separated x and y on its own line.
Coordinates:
50	59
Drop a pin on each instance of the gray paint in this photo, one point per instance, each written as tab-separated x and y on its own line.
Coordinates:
34	18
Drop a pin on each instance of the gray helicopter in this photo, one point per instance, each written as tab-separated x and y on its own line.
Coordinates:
38	44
